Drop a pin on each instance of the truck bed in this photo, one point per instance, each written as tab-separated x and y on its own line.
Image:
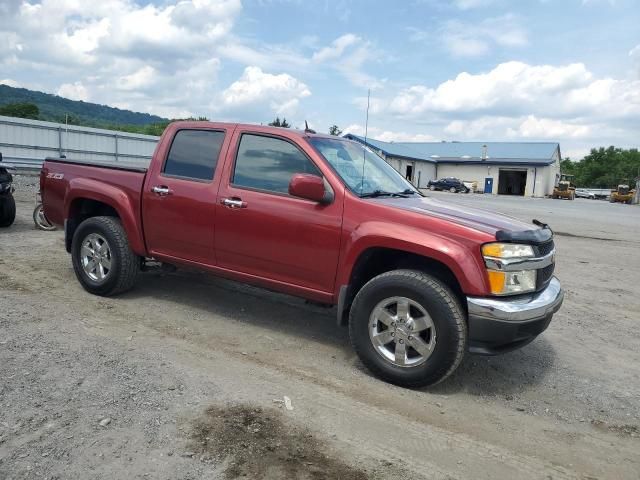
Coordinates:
94	163
68	187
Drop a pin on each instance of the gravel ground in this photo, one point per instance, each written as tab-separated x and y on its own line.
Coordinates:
189	376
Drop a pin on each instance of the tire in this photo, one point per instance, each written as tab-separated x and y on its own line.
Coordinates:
40	219
123	264
7	210
446	338
432	188
453	190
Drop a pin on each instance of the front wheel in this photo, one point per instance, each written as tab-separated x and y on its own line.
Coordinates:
102	259
453	190
7	210
432	188
408	328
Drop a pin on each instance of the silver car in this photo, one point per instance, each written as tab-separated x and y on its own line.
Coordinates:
582	193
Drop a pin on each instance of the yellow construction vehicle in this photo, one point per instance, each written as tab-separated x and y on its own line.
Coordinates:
622	194
565	188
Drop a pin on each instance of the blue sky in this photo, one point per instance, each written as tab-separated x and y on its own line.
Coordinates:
488	70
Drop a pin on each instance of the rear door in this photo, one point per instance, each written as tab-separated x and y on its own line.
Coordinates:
263	231
180	196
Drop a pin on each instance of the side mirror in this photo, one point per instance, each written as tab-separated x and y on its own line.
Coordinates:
310	187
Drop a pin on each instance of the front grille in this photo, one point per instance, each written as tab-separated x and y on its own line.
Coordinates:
544	276
544	248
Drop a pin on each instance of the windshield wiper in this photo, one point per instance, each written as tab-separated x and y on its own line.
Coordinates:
382	193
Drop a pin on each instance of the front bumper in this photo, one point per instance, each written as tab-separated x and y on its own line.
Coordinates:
499	325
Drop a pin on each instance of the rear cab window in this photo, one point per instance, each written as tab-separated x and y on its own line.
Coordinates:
194	154
268	163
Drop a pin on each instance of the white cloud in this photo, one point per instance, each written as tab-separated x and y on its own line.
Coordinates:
388	135
9	82
74	91
131	53
140	79
517	101
525	127
469	4
281	92
532	127
519	88
265	56
337	48
465	39
349	54
634	53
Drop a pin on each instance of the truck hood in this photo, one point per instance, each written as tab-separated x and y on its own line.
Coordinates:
476	218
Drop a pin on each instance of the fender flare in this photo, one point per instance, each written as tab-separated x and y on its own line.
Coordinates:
114	197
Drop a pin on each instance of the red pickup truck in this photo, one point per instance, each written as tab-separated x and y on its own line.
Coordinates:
418	281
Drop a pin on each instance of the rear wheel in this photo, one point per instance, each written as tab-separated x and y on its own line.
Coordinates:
453	190
408	328
102	259
7	210
432	187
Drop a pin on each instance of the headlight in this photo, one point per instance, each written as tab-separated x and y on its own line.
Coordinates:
507	250
502	261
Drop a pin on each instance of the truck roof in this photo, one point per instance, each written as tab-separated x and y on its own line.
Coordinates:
287	132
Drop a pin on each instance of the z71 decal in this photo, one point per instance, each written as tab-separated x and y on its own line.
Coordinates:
55	176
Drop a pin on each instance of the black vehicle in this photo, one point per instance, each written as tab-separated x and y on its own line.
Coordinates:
451	184
7	203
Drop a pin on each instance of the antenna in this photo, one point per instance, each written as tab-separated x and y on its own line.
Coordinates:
307	129
364	147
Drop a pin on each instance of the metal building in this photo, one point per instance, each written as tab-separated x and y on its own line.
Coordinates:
26	143
504	168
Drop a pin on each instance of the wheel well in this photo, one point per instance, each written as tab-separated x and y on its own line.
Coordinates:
376	261
80	210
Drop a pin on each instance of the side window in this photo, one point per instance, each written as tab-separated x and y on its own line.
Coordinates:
268	163
194	154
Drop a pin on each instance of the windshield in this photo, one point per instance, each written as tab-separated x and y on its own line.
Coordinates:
364	172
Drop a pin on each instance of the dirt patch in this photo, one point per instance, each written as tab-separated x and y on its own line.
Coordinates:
622	430
587	237
258	443
8	283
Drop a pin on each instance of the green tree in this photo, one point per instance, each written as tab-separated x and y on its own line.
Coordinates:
334	130
604	167
21	110
278	123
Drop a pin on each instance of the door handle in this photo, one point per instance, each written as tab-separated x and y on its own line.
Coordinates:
233	203
161	190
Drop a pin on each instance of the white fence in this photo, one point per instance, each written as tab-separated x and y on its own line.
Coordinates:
26	143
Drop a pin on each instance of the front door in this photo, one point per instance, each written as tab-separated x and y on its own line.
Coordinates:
180	196
488	185
261	230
